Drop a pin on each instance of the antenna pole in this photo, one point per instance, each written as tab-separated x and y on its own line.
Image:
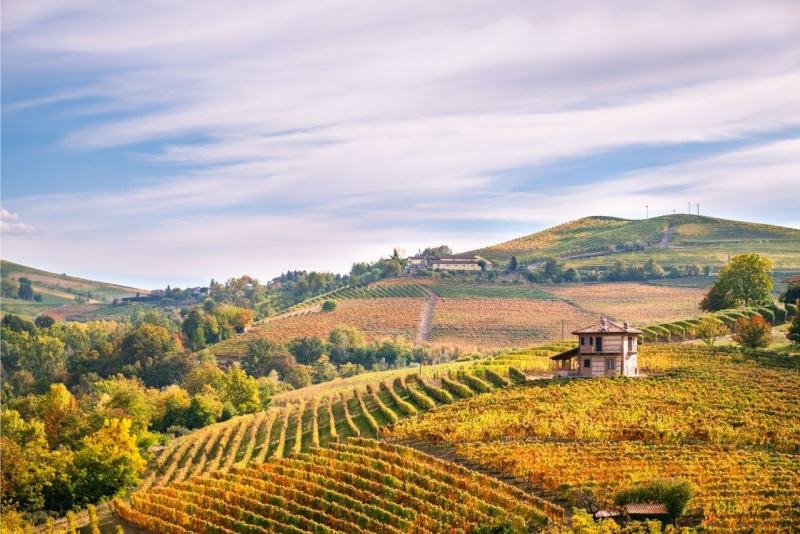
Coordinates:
647	211
690	208
698	208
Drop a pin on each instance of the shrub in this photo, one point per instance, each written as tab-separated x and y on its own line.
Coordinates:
710	329
793	332
753	332
767	314
675	495
329	305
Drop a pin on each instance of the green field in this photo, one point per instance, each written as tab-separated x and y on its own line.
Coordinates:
491	291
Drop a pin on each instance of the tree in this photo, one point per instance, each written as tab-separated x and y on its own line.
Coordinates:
753	332
44	321
345	344
323	370
259	354
710	329
329	305
513	264
748	278
58	408
15	323
241	391
25	291
108	463
441	250
204	409
194	330
306	350
793	332
717	298
146	342
205	374
792	293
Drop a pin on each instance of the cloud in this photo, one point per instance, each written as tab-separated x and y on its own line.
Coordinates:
14	228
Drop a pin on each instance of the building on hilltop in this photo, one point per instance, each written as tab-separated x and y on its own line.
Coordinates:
454	262
604	349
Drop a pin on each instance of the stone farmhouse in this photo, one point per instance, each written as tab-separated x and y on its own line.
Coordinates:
455	262
604	349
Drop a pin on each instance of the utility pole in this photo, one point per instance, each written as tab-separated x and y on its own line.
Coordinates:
647	211
698	208
690	207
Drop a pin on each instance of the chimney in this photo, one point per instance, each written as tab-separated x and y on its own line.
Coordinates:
626	324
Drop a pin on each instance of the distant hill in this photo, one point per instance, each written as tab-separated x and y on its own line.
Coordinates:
670	239
59	291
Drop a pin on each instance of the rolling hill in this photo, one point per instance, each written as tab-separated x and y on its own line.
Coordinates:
669	239
58	293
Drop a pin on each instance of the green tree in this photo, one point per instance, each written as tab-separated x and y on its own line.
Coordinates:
173	406
710	329
25	291
793	331
204	409
108	463
513	264
206	374
194	330
323	371
717	298
345	344
146	342
44	321
753	332
306	350
259	354
747	278
241	391
329	305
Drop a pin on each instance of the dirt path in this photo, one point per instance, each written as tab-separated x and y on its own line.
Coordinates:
667	236
426	317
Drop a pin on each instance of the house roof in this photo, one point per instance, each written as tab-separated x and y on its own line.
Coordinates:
606	326
792	280
646	509
567	354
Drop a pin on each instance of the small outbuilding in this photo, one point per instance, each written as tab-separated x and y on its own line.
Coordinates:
604	349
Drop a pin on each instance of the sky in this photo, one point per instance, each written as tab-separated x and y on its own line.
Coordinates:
151	143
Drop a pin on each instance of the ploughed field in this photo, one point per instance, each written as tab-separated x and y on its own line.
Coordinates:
482	316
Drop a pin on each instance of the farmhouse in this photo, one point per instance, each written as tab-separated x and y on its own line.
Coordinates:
455	262
604	349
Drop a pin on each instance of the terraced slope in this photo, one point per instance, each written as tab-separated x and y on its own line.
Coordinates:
360	486
609	235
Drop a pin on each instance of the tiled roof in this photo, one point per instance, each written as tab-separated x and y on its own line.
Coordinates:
567	354
607	327
646	509
792	280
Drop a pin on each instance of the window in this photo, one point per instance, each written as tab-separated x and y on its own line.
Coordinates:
583	341
591	341
630	344
610	364
587	362
599	345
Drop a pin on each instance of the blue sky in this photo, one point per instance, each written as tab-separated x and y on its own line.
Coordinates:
171	142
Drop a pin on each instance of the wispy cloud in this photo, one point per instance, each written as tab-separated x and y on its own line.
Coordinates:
8	227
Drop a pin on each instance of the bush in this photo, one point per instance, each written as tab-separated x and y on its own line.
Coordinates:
793	332
672	493
329	305
753	332
767	314
710	329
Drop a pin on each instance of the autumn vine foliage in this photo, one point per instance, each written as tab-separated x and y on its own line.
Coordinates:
360	486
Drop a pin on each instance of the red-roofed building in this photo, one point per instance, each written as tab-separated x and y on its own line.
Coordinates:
604	349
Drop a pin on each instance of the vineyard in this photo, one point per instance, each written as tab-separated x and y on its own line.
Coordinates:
493	323
638	303
491	291
375	317
360	486
727	422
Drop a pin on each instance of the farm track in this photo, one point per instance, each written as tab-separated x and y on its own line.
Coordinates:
426	317
668	236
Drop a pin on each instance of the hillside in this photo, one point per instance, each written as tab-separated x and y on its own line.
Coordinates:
669	239
59	291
